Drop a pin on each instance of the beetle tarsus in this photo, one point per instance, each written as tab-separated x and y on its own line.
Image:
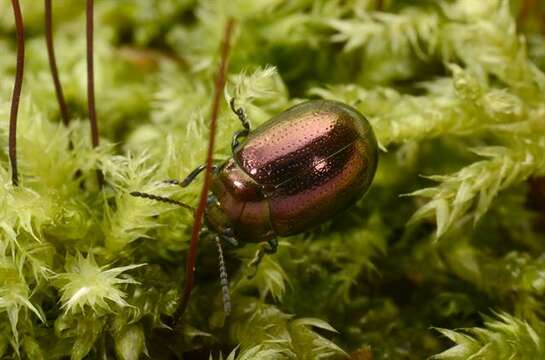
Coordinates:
266	248
271	246
239	112
236	136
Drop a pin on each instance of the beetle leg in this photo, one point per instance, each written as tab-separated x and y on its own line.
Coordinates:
245	124
236	136
240	114
230	240
268	247
271	246
192	175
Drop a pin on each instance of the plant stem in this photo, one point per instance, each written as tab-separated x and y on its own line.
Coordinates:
91	84
16	90
199	213
53	62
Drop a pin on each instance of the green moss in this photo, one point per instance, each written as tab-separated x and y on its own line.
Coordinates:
455	93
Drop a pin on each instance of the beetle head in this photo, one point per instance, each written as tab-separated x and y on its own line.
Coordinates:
217	219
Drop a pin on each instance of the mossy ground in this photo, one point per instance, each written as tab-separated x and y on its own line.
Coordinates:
455	88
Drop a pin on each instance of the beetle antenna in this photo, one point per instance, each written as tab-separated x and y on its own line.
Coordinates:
53	62
199	213
91	83
16	90
223	278
161	199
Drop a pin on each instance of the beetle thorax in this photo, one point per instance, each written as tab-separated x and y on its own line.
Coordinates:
238	205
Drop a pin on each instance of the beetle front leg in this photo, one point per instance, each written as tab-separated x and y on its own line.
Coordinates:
269	248
245	124
192	176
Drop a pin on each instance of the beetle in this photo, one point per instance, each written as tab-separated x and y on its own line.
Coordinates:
295	171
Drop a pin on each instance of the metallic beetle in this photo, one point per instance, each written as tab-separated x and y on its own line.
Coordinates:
295	171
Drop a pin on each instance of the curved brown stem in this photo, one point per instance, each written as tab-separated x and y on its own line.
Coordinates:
16	90
91	82
53	62
199	213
